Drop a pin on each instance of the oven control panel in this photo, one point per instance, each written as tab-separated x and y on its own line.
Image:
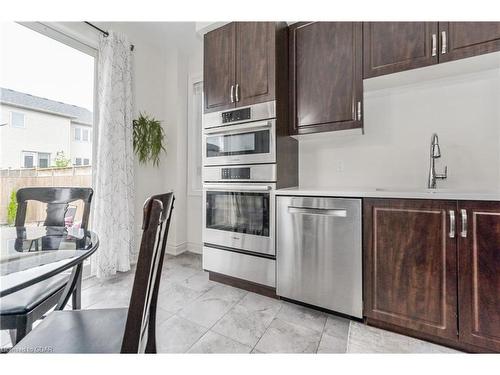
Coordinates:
236	115
235	173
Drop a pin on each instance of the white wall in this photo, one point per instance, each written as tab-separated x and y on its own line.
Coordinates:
43	132
464	109
80	149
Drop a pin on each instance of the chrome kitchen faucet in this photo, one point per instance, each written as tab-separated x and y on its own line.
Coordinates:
435	153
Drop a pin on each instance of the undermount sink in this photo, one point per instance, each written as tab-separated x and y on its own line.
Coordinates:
430	191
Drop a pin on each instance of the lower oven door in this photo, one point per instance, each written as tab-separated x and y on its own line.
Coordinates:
239	216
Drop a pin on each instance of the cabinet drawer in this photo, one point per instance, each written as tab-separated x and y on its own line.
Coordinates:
242	266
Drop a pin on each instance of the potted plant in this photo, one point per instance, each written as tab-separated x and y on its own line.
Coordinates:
148	137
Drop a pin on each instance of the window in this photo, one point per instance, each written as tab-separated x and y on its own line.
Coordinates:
44	127
194	136
28	159
86	161
17	119
43	160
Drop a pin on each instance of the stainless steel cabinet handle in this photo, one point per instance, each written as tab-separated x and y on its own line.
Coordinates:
443	42
434	44
241	128
359	111
463	213
317	211
237	92
236	188
452	224
232	94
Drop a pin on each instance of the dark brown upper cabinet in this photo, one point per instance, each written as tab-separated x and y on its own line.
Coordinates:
219	68
479	274
326	79
466	39
239	65
391	47
410	261
255	60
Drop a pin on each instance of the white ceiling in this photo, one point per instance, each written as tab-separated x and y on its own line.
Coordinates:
165	35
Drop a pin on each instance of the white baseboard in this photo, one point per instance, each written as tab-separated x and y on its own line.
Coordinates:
176	249
195	247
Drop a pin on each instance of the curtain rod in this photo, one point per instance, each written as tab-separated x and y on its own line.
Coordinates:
104	32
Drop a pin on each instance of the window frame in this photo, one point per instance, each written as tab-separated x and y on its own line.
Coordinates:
194	153
12	113
38	159
33	154
79	129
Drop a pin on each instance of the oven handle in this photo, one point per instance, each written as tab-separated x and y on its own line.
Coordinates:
237	187
239	127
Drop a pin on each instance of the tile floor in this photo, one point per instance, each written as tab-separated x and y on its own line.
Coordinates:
196	315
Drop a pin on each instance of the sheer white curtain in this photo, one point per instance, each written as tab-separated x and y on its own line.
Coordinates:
113	211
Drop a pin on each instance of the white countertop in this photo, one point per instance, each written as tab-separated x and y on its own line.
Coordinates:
391	193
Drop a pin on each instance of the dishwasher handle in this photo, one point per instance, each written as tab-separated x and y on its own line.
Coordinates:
337	212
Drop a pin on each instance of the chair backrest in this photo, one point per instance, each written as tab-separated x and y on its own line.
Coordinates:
57	199
139	335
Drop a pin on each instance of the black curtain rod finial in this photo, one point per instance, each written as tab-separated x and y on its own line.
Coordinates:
104	32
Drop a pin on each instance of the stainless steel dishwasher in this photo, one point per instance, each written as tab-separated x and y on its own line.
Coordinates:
319	256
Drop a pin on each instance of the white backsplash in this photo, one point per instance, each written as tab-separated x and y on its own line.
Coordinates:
394	151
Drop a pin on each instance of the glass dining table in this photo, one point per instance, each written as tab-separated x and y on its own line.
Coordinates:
29	255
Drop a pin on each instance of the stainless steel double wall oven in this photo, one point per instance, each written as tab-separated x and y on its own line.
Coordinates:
239	175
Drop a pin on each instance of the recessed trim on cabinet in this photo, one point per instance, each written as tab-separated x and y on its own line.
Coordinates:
326	78
467	39
219	68
410	265
390	47
479	274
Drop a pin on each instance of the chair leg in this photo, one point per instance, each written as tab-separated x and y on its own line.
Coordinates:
76	298
23	327
74	280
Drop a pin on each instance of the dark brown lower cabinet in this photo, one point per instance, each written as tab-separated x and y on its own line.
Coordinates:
432	270
479	274
411	265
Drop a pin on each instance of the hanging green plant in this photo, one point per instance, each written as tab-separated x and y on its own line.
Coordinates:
148	139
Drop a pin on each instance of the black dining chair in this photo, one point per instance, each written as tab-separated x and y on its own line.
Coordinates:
117	330
18	311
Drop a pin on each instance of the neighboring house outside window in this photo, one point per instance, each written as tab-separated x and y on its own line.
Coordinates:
82	134
43	160
17	119
28	159
32	159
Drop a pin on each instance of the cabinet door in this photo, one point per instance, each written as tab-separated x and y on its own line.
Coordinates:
465	39
255	61
325	76
410	265
219	68
391	47
479	274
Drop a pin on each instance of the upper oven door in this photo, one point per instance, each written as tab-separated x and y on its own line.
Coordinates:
239	216
249	143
